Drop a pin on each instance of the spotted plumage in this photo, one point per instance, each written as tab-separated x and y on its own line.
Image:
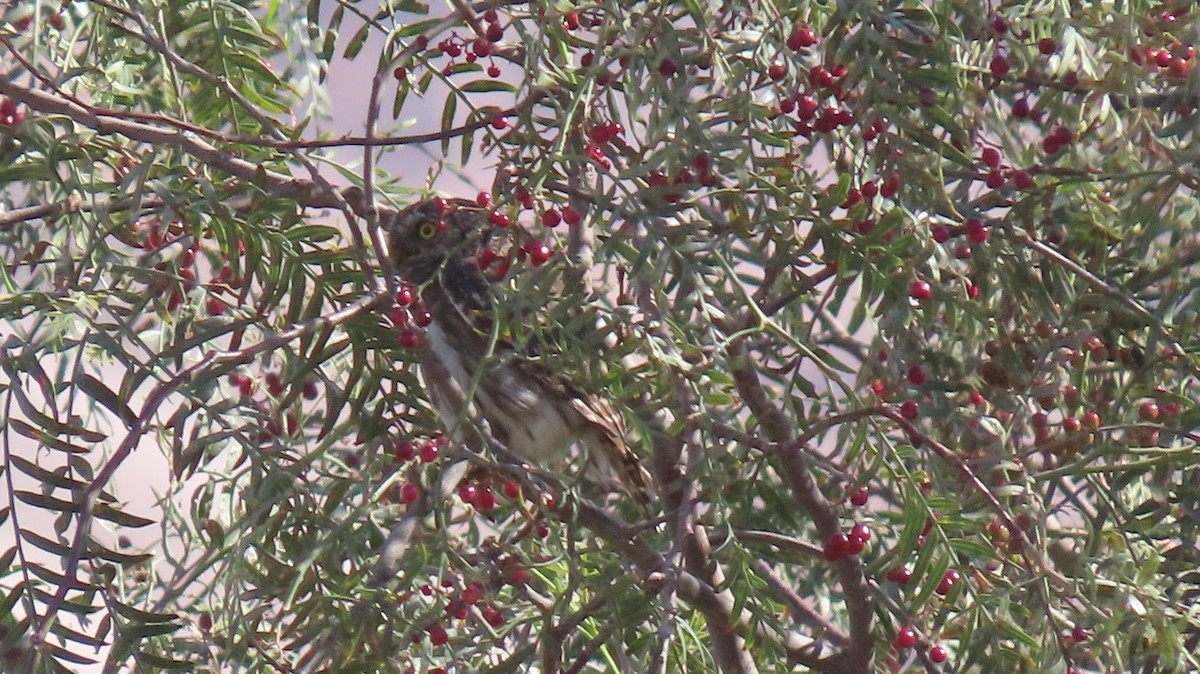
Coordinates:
535	413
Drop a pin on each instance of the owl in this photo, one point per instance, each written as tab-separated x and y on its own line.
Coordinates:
536	413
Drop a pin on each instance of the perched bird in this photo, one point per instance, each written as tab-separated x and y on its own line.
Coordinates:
535	413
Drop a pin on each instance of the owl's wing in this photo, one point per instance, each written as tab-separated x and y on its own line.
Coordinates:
611	447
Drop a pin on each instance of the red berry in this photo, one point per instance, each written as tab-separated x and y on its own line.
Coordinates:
422	317
921	290
245	384
486	500
853	196
493	616
999	65
215	306
511	488
941	233
1148	411
1079	635
468	492
499	123
485	258
990	157
404	296
404	450
777	71
860	496
482	47
977	232
398	316
899	575
910	410
1022	180
801	37
518	575
409	339
551	217
571	216
437	635
994	179
869	189
948	581
429	452
1062	135
667	68
836	547
498	219
916	375
937	654
410	492
596	154
806	107
309	389
855	545
906	638
539	254
493	71
524	196
891	187
1047	46
274	383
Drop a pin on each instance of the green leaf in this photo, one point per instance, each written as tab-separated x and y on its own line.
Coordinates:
142	617
47	502
95	389
1013	632
44	543
159	662
357	41
448	112
7	558
312	233
44	437
417	27
101	552
46	477
487	86
60	653
107	512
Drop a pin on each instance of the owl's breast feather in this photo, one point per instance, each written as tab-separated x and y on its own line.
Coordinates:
522	413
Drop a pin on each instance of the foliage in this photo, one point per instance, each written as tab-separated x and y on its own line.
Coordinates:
899	297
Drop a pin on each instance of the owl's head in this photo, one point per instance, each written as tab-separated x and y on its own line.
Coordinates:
422	237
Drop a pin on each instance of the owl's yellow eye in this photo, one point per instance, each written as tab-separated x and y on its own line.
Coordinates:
427	230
